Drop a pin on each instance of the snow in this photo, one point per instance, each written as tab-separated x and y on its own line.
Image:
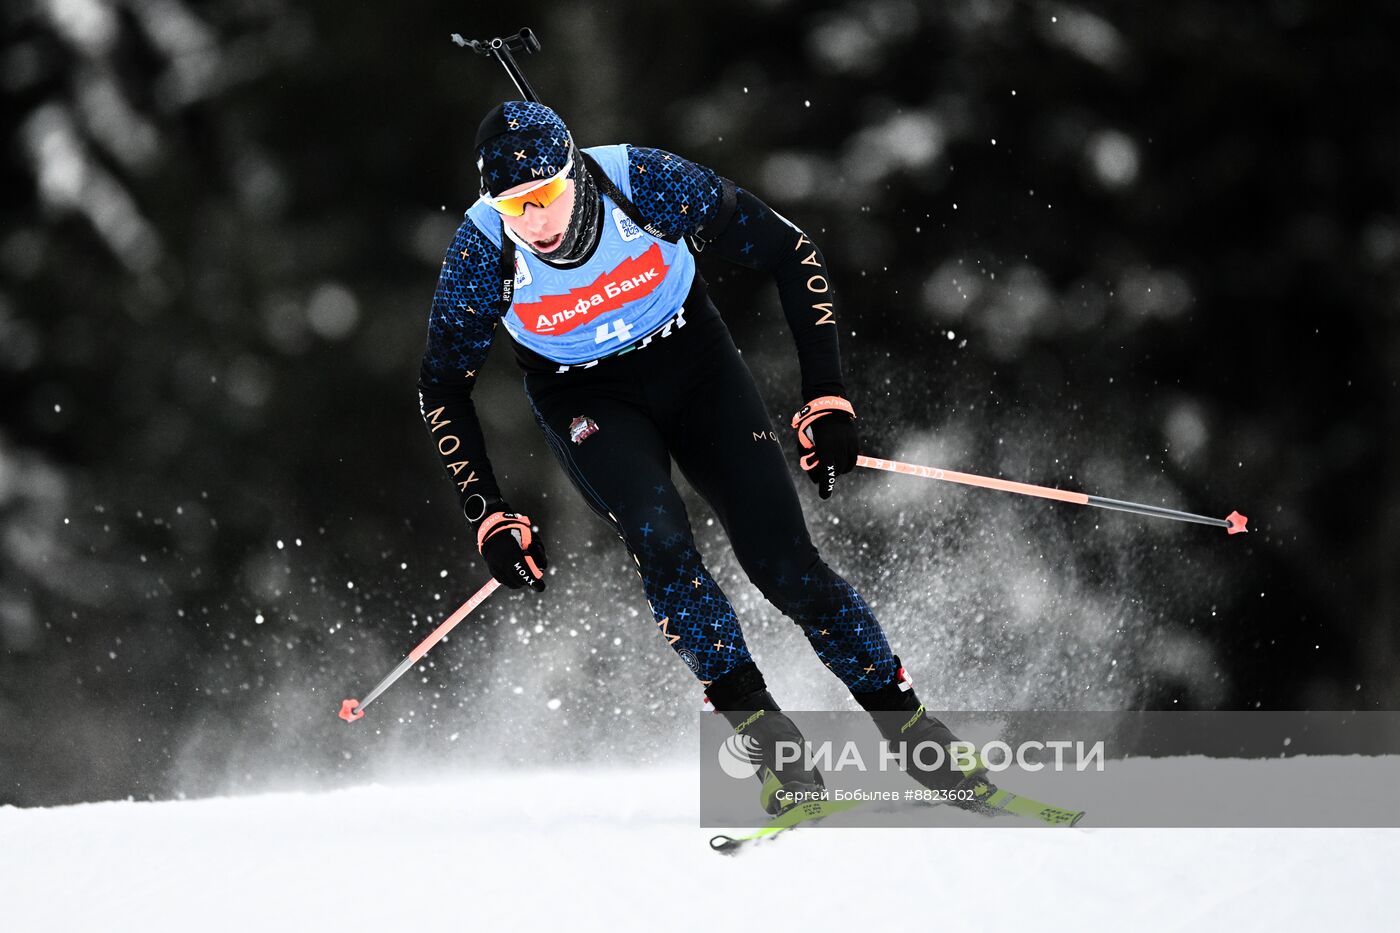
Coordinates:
621	850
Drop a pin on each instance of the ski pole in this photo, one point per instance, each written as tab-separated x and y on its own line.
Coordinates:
1232	523
500	49
351	710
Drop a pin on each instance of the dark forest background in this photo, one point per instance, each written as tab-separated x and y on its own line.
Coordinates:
1146	251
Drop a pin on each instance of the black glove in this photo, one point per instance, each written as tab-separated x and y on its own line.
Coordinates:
826	427
512	549
835	448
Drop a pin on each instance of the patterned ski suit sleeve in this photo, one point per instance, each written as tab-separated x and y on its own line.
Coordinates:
685	199
466	309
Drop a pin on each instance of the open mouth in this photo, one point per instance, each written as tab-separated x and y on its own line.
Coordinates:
549	244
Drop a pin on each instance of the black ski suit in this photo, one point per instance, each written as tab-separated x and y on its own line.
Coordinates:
677	391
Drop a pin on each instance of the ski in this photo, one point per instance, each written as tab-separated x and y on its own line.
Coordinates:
991	802
802	813
995	801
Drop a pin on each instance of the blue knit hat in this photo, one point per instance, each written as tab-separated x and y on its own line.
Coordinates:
520	142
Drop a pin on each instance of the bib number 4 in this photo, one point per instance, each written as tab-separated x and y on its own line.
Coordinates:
616	330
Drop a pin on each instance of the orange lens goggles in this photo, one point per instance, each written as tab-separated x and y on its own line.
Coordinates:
541	194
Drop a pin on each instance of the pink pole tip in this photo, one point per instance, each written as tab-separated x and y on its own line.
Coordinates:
349	713
1236	521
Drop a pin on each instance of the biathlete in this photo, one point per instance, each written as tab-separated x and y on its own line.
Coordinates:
581	257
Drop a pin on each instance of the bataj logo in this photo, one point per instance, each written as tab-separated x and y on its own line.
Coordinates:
559	314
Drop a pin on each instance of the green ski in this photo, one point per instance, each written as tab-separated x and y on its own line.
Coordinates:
990	802
996	801
802	813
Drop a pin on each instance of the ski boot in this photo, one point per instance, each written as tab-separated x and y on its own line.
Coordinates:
743	699
905	725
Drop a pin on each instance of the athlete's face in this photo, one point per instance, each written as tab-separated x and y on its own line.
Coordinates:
542	227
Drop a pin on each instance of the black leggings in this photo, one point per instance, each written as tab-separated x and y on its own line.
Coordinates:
615	428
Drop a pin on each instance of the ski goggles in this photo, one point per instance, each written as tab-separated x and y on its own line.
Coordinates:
542	193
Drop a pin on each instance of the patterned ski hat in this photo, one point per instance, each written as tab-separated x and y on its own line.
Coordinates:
520	142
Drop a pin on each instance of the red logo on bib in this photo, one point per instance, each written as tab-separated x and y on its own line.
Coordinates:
559	314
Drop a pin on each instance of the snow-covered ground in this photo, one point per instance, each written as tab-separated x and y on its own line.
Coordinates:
615	850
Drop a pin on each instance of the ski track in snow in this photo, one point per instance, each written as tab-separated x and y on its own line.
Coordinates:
621	850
